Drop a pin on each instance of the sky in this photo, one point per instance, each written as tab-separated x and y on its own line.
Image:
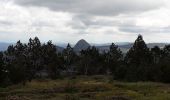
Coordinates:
96	21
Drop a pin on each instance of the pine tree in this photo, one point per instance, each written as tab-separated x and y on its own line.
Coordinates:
34	56
3	70
114	58
17	63
69	58
164	65
51	59
138	60
156	54
89	61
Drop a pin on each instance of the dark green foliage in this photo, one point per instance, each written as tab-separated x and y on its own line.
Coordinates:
3	70
52	62
69	55
89	61
70	58
139	53
24	62
120	72
138	60
164	64
113	58
160	69
156	54
34	56
17	63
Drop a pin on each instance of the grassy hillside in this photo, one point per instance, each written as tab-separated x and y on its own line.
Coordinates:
86	88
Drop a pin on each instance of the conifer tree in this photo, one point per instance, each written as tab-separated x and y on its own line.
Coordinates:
114	58
17	65
156	54
51	59
164	65
89	61
34	57
138	60
69	58
3	70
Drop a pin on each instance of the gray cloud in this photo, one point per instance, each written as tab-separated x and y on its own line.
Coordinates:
84	12
139	29
95	7
6	23
94	20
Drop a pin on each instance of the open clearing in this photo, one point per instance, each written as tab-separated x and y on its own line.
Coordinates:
86	88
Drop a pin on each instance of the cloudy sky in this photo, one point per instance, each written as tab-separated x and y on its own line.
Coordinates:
97	21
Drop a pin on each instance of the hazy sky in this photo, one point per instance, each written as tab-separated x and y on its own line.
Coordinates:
97	21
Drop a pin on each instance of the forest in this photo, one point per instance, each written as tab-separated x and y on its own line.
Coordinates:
24	62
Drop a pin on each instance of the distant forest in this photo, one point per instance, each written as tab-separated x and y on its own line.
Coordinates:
24	62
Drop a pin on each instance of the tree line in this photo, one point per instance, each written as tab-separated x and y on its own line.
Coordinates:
24	62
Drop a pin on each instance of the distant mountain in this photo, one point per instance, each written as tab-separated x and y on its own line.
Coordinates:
104	44
64	45
4	46
59	49
81	45
161	45
126	47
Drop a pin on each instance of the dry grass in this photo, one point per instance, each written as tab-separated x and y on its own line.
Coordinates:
86	88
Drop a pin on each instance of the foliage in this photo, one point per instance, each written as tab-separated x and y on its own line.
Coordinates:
24	62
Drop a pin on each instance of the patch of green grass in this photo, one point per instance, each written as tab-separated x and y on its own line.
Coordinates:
86	88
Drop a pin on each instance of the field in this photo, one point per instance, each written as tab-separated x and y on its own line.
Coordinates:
86	88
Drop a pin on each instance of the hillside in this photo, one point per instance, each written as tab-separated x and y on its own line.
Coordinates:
4	46
125	47
81	45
